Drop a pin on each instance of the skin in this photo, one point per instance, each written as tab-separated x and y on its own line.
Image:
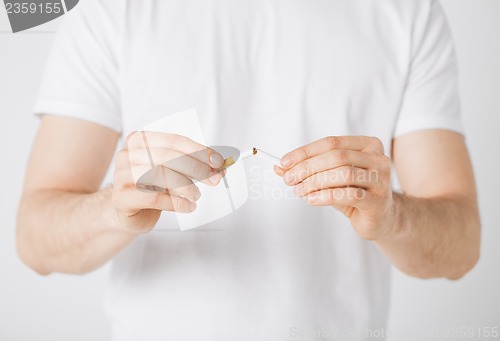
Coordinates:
430	230
67	224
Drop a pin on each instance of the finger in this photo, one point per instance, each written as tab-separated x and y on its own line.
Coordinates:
163	179
326	161
148	139
343	176
348	196
182	163
133	201
359	143
278	170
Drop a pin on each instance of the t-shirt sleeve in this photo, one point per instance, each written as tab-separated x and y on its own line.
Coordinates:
82	71
431	98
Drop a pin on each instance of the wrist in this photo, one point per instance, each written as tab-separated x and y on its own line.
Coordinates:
395	218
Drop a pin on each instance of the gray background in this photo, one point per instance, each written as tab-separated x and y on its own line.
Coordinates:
69	307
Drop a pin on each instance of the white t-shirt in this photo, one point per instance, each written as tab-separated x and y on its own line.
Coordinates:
272	73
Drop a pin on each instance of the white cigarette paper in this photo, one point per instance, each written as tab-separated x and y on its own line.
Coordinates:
247	154
259	152
269	157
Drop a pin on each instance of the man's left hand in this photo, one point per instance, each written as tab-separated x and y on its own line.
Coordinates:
350	173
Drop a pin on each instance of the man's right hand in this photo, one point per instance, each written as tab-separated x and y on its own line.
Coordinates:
178	160
68	223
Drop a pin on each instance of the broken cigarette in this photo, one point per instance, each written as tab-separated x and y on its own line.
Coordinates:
254	151
267	156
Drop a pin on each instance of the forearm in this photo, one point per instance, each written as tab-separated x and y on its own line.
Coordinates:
68	232
437	237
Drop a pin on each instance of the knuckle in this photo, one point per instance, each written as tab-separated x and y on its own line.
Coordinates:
155	199
376	142
333	141
341	156
173	140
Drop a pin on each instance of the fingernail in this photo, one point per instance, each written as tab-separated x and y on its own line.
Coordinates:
278	170
313	197
216	160
286	162
289	177
215	178
192	206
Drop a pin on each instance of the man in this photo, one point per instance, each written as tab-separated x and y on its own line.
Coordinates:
343	89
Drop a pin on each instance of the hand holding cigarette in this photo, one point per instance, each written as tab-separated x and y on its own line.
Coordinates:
350	173
165	166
